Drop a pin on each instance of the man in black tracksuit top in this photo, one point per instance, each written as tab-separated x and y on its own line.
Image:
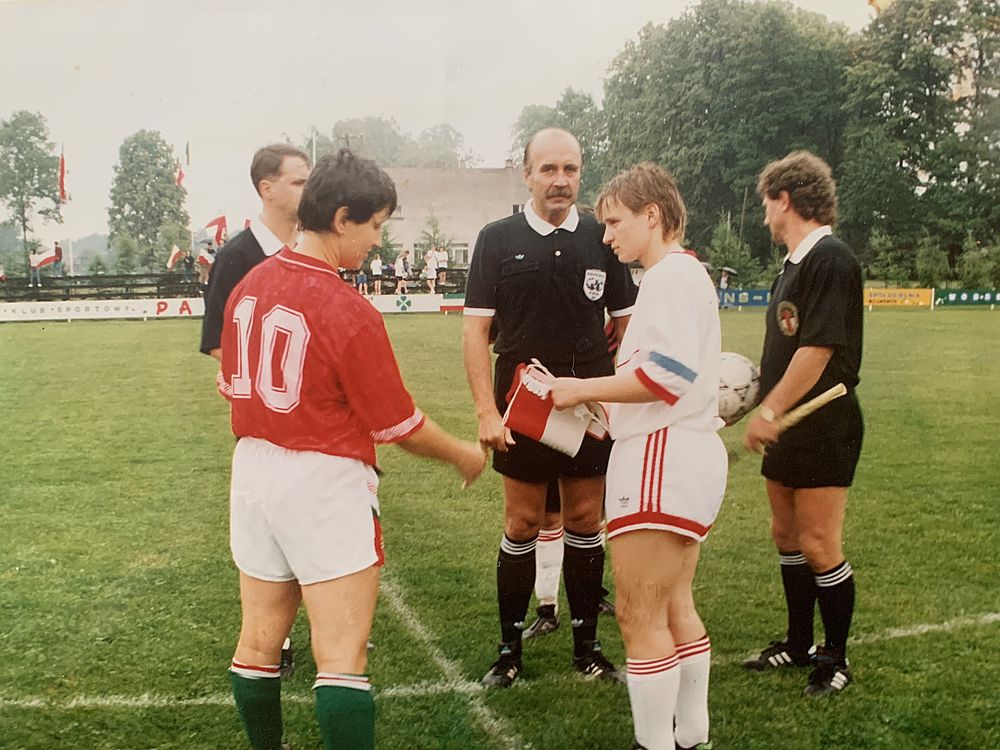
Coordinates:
812	342
547	278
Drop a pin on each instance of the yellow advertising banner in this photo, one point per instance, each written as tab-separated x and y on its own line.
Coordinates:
907	297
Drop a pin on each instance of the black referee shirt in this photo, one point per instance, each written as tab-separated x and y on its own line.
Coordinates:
549	293
233	261
816	302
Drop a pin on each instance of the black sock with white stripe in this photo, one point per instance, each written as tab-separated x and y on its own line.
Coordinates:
800	596
836	605
515	582
583	571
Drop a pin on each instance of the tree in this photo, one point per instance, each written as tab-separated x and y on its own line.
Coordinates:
432	235
29	180
97	266
381	140
126	252
931	262
387	246
978	267
728	250
144	195
718	93
890	262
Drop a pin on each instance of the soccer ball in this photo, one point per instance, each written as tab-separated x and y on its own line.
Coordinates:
739	386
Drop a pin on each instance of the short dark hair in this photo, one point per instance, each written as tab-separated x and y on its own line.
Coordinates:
646	183
809	183
343	179
266	164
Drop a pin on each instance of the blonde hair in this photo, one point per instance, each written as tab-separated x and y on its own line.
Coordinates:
645	184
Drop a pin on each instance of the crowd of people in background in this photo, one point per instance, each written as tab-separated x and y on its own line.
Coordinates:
370	279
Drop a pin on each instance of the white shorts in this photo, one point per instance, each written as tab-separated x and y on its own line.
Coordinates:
672	480
302	515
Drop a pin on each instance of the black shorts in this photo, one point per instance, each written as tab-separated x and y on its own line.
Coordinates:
530	461
820	451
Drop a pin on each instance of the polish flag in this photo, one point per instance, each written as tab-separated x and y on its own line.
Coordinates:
40	260
219	222
62	177
175	255
532	414
179	180
205	258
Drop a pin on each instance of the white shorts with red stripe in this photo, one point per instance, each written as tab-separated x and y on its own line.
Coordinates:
672	480
302	515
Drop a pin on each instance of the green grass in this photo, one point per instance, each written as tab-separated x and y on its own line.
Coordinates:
115	576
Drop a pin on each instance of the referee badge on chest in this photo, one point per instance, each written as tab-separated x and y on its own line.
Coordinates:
593	283
788	318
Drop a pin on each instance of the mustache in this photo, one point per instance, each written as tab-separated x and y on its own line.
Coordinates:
559	193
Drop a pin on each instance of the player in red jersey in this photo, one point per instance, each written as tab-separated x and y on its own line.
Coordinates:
314	385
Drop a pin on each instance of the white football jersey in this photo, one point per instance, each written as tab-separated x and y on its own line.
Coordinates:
672	344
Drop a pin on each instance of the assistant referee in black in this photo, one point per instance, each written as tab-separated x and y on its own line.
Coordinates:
812	342
547	278
279	173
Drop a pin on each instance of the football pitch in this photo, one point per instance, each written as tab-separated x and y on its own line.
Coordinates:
119	606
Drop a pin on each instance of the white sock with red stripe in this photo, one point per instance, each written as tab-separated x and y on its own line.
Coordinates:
548	565
691	714
652	690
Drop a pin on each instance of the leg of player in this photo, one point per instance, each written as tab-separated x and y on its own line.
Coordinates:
820	515
548	566
269	609
524	508
694	654
799	585
648	565
341	612
583	570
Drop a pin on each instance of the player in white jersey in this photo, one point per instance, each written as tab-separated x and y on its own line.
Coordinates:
667	471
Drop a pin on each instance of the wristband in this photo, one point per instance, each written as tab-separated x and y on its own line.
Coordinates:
767	414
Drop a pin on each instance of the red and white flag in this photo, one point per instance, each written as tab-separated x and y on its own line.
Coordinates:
531	413
175	255
39	260
205	258
179	180
63	195
219	222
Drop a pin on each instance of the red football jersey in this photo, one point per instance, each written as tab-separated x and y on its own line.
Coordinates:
307	364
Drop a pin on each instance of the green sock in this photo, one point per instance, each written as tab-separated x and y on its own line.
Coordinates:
258	702
346	715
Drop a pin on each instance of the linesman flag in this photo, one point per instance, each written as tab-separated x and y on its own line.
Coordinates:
62	176
175	255
219	222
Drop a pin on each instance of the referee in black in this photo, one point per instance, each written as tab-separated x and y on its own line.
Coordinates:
547	278
812	342
279	173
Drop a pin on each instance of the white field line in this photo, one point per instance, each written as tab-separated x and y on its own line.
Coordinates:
492	724
454	684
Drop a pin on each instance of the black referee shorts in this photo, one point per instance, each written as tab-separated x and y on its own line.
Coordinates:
530	461
820	451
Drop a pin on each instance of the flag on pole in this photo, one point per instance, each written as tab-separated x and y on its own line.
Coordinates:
180	176
39	260
175	255
205	258
219	222
62	176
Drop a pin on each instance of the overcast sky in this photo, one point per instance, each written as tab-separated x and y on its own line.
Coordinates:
230	75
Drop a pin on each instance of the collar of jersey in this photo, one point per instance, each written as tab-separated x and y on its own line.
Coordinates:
298	259
808	243
543	227
267	239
